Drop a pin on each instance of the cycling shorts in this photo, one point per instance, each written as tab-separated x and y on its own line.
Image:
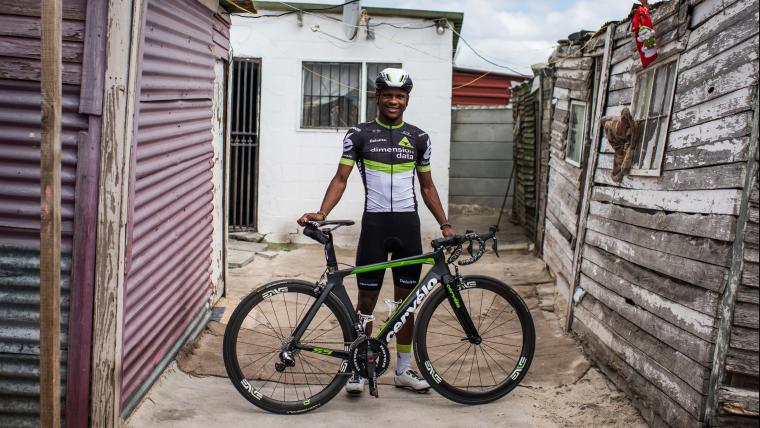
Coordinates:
396	234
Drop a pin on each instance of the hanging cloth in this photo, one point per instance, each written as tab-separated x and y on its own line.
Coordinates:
643	29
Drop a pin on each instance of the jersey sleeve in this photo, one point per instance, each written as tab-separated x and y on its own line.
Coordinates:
351	147
423	153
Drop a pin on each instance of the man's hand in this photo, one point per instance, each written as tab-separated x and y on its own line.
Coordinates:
448	231
310	217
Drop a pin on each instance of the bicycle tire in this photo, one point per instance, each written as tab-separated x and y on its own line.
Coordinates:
263	338
437	323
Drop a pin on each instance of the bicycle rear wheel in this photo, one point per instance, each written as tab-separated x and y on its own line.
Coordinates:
262	325
475	373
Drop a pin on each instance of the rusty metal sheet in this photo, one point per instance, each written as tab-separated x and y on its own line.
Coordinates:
169	271
20	120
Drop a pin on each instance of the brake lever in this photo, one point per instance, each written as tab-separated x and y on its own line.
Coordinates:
495	246
469	244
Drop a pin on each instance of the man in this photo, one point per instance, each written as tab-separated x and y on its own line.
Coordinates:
387	152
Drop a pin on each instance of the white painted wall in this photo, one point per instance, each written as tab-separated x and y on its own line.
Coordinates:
295	166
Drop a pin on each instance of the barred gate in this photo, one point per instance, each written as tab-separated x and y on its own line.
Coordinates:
244	133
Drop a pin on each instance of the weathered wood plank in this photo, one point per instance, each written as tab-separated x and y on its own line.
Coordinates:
29	26
623	66
721	201
704	10
751	234
689	399
566	234
696	298
718	23
740	361
71	9
704	275
725	105
572	73
750	274
737	401
576	63
621	81
569	172
717	153
564	191
721	227
561	93
712	177
721	62
561	247
571	84
24	47
620	97
696	323
29	69
744	338
680	340
675	362
719	43
722	129
748	294
624	50
656	407
703	249
712	87
746	315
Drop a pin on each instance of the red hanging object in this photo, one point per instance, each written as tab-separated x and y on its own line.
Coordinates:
643	29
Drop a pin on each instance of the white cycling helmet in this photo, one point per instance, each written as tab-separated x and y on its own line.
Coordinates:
393	78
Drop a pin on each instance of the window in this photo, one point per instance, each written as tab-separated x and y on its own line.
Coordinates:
576	133
331	95
372	71
653	96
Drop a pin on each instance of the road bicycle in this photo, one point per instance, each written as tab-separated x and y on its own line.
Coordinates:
291	345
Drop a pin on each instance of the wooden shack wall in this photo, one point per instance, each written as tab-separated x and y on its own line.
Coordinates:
573	74
657	250
524	131
546	111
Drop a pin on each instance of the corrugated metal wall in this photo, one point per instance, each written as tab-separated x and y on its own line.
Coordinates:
472	87
169	274
20	198
481	156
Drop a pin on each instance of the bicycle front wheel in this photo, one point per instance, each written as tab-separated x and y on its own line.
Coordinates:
261	328
471	373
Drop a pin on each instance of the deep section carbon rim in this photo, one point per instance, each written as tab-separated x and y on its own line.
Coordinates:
476	373
259	329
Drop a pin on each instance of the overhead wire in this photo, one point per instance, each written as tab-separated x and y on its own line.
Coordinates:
451	27
472	81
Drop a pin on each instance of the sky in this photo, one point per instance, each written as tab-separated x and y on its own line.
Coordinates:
515	33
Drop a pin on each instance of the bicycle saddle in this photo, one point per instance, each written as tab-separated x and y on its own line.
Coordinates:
333	222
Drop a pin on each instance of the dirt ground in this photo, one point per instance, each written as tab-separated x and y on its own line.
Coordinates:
561	388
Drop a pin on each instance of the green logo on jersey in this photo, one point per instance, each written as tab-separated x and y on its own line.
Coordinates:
405	143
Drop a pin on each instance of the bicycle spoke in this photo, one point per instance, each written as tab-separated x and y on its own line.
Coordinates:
494	328
482	317
504	334
457	359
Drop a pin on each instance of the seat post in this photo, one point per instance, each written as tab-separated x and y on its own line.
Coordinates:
332	261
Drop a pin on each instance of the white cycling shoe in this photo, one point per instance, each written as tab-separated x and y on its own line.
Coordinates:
410	379
355	385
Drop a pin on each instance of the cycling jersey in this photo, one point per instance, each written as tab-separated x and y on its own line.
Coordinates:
387	157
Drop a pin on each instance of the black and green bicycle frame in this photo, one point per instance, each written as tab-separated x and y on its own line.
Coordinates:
438	274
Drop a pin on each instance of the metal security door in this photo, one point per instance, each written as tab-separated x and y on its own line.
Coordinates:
244	134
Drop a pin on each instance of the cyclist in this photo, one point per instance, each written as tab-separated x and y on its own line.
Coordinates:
387	152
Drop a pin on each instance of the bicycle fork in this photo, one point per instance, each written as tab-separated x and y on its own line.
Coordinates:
453	284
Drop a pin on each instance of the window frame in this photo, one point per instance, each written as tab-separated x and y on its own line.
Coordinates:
363	98
659	151
584	120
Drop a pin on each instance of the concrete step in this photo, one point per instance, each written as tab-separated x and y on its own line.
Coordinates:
238	258
253	247
246	236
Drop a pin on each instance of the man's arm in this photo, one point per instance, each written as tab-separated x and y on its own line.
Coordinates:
332	195
433	201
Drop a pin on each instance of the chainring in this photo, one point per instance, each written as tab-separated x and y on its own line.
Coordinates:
358	356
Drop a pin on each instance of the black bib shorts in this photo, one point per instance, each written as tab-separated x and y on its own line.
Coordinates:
389	233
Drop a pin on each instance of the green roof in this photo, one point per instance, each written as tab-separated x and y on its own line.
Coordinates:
456	18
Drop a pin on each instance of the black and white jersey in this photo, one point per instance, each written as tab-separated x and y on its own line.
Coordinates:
387	157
